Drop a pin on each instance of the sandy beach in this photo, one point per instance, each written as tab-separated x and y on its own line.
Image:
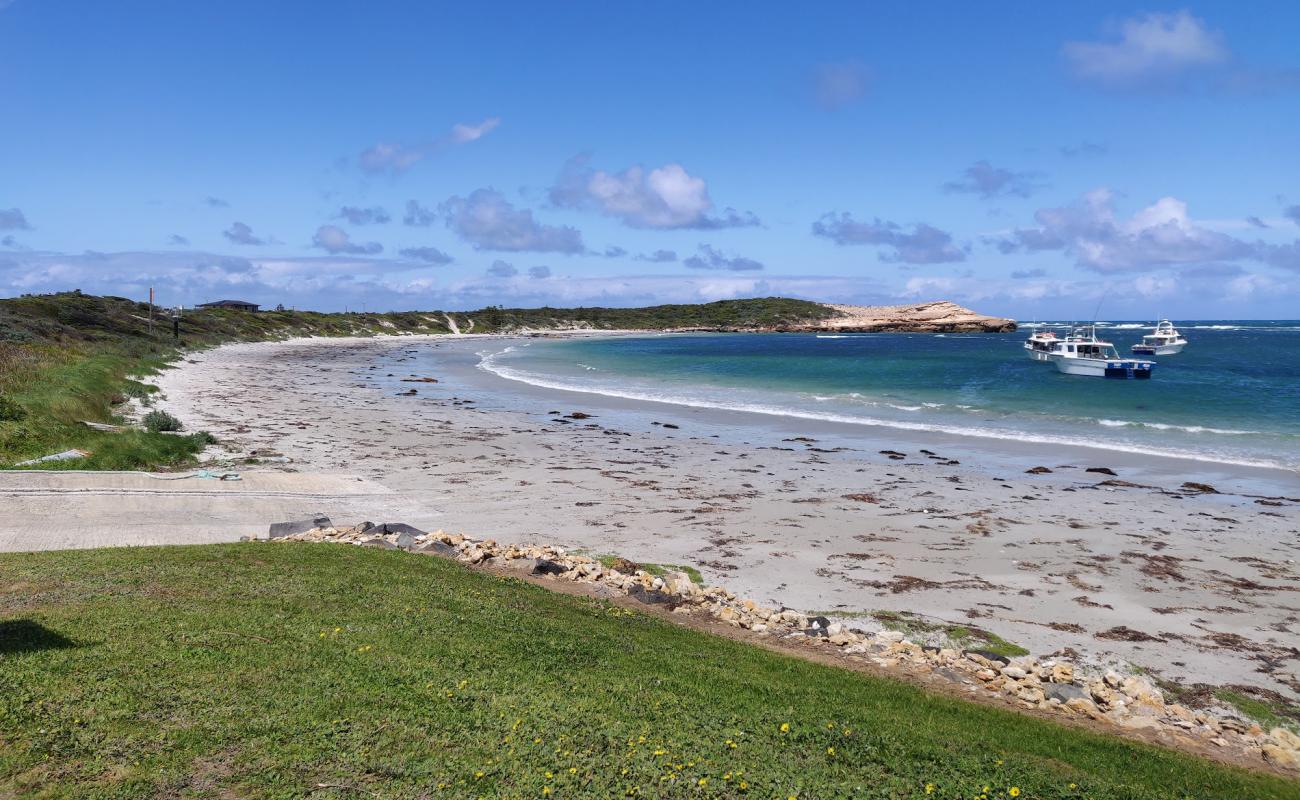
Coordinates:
1129	569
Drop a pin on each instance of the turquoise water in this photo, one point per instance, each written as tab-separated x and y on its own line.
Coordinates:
1232	396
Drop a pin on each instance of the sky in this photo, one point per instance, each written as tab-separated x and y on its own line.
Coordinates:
1034	160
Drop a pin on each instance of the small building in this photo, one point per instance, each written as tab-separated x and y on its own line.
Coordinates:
236	305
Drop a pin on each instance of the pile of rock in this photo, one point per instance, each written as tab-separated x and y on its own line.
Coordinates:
1055	685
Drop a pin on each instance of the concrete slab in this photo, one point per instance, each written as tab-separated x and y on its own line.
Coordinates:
50	510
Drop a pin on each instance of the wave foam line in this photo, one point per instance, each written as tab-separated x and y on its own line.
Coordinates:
488	365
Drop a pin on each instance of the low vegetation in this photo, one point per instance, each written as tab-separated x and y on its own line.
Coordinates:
961	637
287	670
724	314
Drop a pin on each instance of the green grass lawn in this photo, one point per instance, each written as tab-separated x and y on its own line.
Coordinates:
259	670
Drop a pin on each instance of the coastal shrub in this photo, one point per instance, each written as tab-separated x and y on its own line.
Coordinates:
159	421
10	411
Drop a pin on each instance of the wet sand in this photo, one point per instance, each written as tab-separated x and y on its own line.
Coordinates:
1192	586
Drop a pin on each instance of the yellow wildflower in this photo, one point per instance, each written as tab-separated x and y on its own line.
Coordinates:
1014	791
830	751
929	788
702	782
785	727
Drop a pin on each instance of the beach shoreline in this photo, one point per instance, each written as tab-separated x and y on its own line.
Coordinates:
1194	587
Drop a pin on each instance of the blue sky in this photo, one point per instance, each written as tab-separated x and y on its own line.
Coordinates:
1023	159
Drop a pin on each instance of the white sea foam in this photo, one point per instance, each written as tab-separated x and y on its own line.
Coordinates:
489	364
832	336
1164	426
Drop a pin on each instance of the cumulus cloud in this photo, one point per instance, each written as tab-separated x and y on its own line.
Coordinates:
614	252
13	219
665	197
242	234
1149	47
215	202
840	85
502	269
333	239
1256	222
1159	235
418	216
1292	213
1022	274
988	181
487	220
658	256
395	158
924	244
178	240
539	272
711	258
429	255
375	215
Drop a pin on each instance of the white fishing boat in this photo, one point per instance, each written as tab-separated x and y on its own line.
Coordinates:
1040	344
1082	353
1163	341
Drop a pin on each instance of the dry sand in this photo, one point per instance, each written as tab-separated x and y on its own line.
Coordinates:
1197	588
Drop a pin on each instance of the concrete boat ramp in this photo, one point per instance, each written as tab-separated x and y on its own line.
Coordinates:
55	510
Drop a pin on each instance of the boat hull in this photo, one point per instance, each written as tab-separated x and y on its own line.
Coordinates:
1105	368
1159	350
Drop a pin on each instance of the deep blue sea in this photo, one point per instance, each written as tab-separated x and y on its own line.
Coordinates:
1232	396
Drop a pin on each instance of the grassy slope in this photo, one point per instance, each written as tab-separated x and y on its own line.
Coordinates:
65	358
331	671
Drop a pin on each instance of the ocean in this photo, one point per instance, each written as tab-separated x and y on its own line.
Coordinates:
1233	396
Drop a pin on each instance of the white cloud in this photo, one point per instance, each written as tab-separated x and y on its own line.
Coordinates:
13	219
1160	235
429	255
988	181
1148	47
364	216
664	197
925	244
712	258
239	233
333	239
502	269
490	222
396	158
462	133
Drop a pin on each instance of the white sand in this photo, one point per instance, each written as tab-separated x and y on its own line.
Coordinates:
1047	561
